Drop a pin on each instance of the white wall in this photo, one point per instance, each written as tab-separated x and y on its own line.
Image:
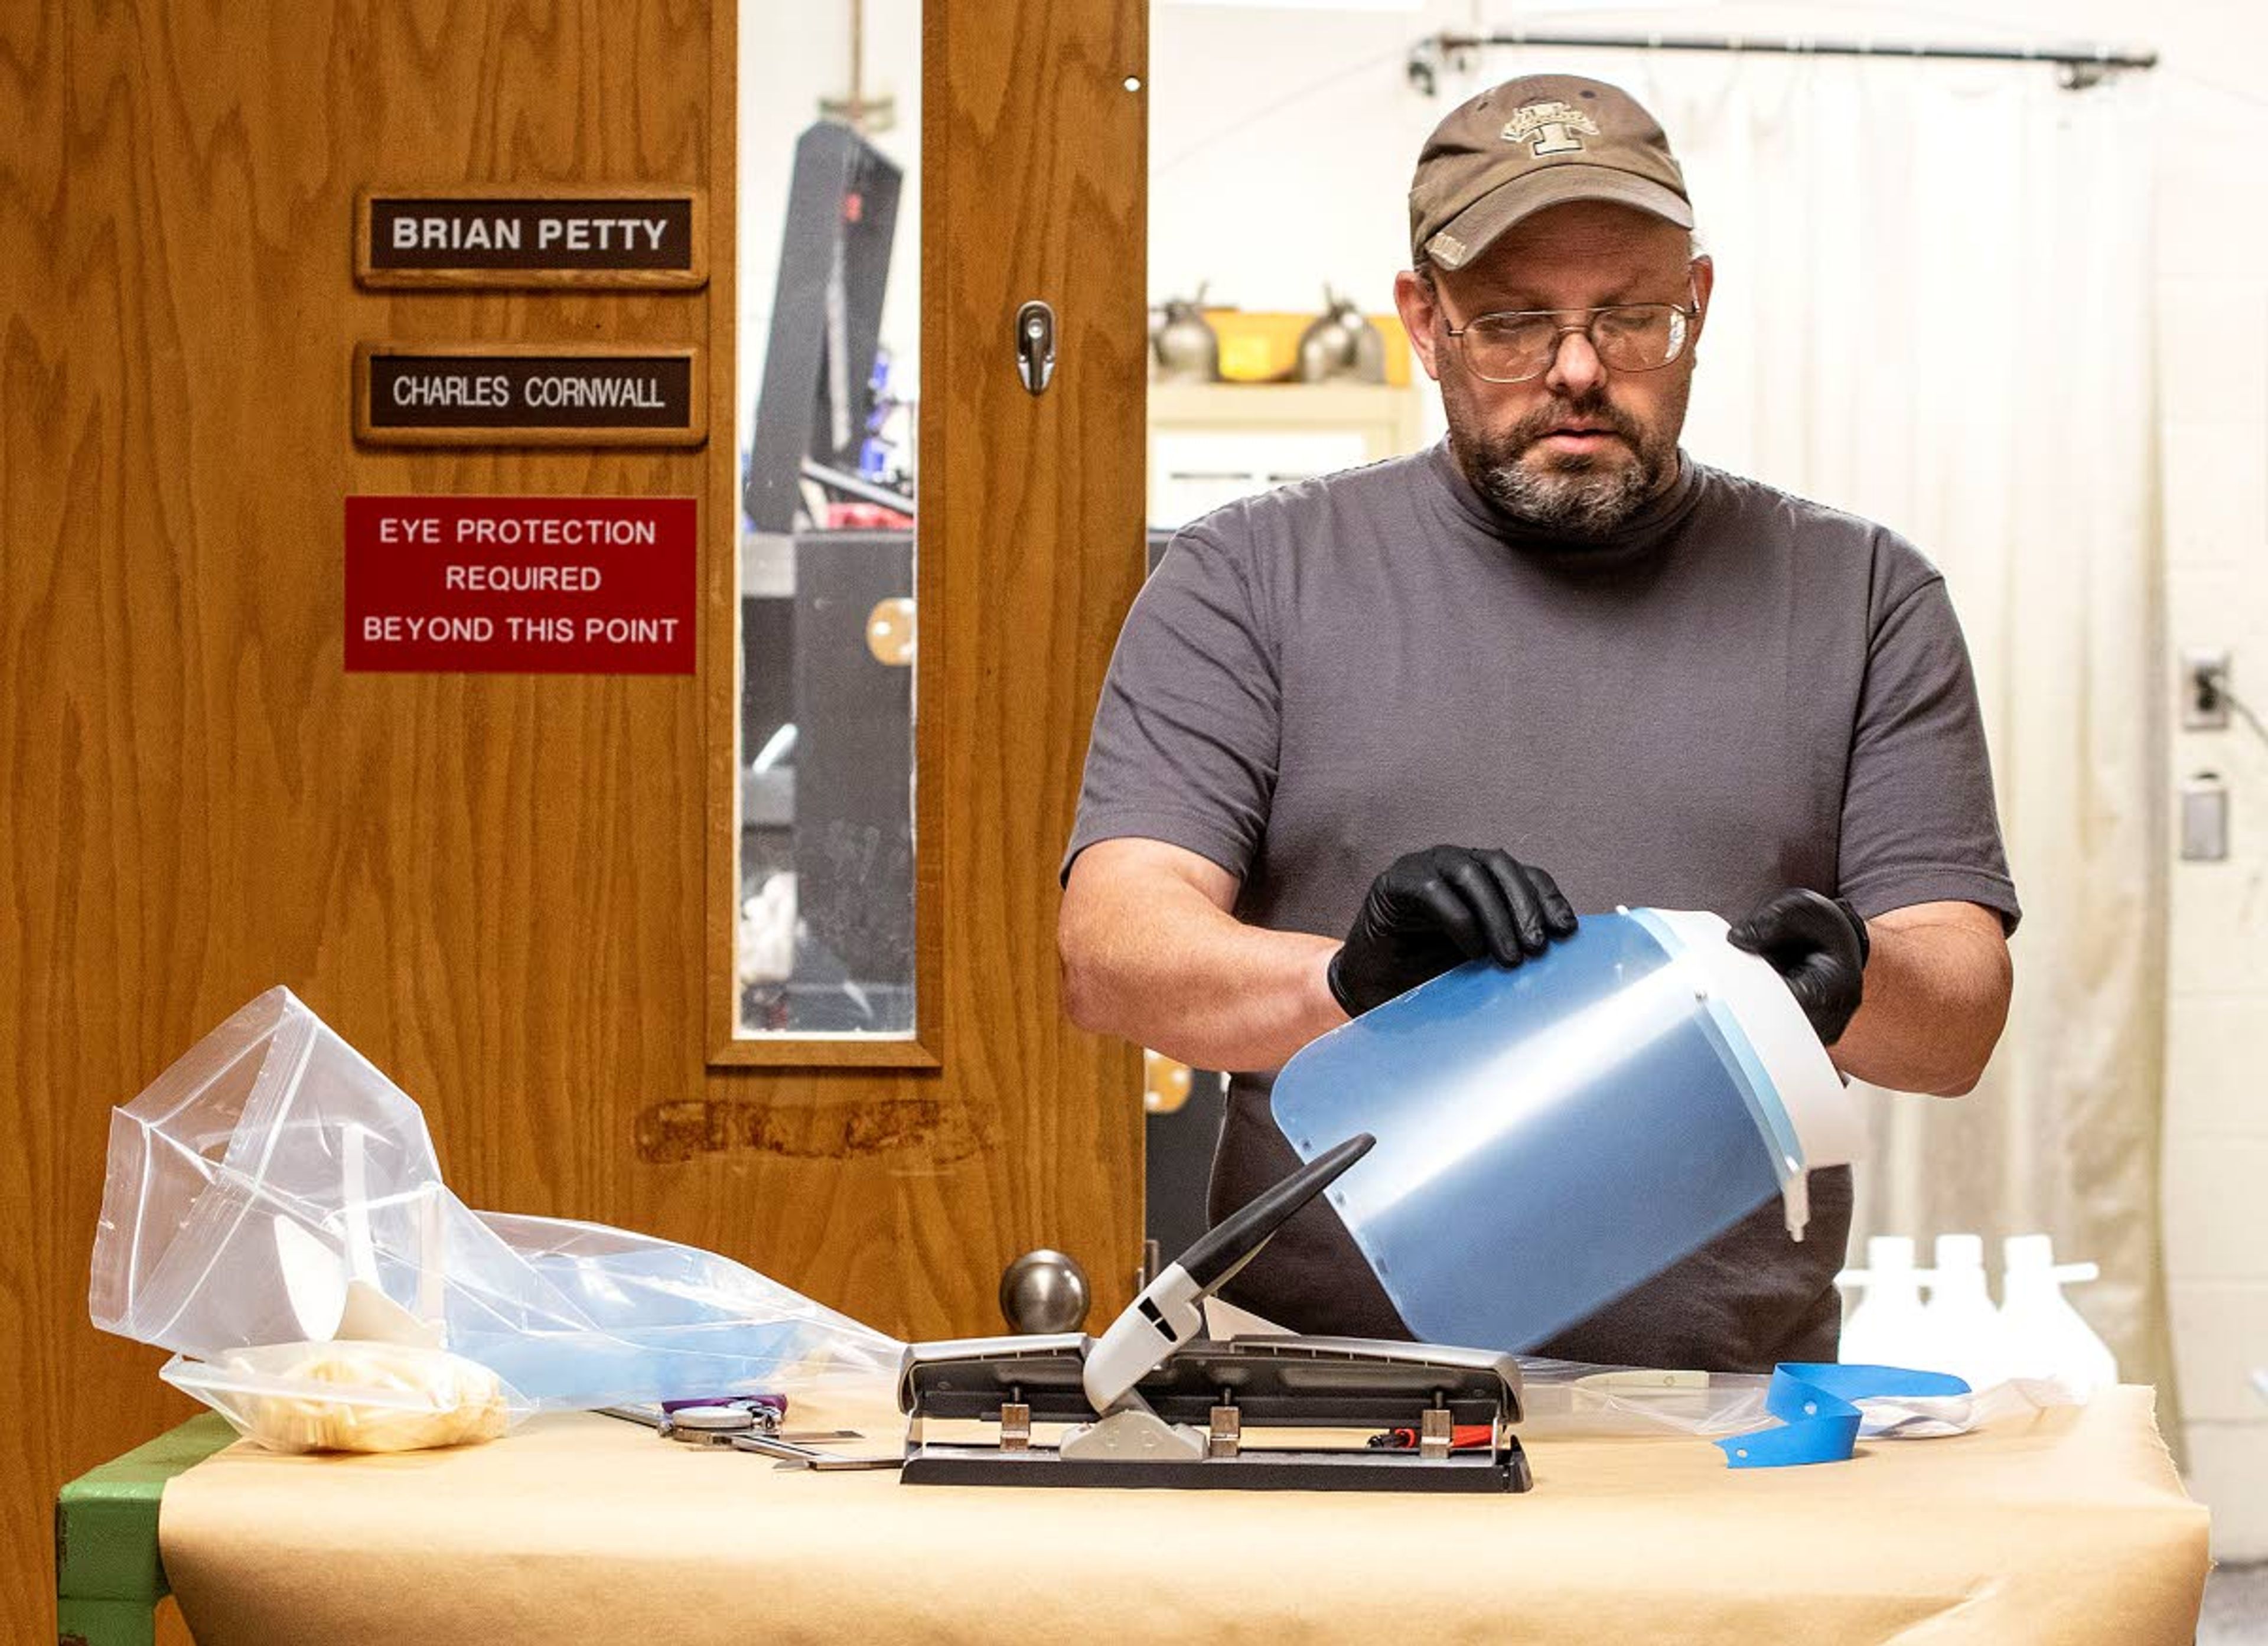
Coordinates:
1281	145
2213	424
1280	149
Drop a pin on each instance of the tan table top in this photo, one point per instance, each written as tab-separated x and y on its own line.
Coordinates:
2067	1526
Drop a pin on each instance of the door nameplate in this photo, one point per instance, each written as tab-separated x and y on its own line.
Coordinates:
527	395
638	239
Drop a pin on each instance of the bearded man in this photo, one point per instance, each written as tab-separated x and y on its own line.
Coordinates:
1604	672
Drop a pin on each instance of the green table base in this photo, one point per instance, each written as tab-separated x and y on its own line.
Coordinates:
108	1576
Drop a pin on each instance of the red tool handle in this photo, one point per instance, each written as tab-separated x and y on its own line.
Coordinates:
1463	1438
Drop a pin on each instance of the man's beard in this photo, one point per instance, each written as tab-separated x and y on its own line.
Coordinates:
1576	494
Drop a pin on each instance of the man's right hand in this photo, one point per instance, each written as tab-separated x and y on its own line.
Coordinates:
1435	909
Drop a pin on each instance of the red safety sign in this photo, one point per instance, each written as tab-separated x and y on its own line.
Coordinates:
532	585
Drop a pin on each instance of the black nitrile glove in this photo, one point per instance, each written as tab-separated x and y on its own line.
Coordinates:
1818	947
1437	908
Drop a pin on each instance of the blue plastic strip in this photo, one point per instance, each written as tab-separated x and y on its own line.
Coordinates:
1819	1422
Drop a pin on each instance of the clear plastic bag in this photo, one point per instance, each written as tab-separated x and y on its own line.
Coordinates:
666	1322
272	1187
352	1396
1568	1398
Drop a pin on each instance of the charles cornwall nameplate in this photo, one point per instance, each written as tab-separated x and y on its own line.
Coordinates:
527	395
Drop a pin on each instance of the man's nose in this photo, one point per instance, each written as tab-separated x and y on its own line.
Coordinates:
1576	368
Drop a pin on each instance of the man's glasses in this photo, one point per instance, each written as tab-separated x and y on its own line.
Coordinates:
1515	347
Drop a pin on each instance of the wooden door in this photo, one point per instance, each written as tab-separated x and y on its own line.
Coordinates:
497	885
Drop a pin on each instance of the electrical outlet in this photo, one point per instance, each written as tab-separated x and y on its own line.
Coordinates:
2204	691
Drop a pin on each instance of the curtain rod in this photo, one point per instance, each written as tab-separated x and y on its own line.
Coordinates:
2082	65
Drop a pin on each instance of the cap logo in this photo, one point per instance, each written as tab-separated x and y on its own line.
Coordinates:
1550	128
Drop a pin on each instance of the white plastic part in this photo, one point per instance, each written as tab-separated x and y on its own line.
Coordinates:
314	1280
362	1252
2046	1335
1964	1335
1134	1435
1224	1321
2031	1254
1138	1340
328	1304
1825	1119
1889	1327
371	1317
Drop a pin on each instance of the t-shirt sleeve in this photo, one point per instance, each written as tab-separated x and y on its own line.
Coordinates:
1920	824
1185	738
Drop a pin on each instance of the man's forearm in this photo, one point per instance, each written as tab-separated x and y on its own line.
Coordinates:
1188	980
1936	998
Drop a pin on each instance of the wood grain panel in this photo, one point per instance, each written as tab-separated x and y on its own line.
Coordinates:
1042	513
495	885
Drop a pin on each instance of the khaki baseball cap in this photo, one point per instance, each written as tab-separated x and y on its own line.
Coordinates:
1539	141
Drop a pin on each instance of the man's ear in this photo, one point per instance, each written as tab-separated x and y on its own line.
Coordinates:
1705	282
1414	299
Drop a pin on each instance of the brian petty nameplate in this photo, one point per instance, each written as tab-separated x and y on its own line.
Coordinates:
527	395
592	237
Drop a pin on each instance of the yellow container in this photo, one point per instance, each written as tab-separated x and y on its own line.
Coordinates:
1263	345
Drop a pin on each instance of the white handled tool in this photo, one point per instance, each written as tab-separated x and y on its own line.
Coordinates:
1170	1311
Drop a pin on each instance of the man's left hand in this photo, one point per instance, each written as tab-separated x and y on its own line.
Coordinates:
1819	948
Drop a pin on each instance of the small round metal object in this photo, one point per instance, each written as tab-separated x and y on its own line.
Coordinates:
1044	1291
708	1425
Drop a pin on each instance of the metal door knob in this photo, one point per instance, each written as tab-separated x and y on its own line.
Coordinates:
1044	1291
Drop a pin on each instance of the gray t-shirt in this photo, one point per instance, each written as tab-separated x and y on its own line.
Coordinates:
1741	691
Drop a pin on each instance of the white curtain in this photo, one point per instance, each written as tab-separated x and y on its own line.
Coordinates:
1933	308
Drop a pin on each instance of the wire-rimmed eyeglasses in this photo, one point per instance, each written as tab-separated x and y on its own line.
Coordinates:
1517	345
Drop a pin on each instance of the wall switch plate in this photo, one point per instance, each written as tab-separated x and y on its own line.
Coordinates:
2205	694
2205	819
